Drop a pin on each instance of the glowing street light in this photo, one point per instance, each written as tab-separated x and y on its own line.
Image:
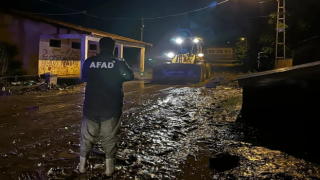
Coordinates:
244	39
196	40
200	55
170	55
179	40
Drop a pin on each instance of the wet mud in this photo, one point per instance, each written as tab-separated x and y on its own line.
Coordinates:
168	132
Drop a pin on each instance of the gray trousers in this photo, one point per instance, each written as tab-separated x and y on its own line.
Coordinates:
108	131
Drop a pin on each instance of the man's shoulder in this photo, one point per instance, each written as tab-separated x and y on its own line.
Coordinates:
91	58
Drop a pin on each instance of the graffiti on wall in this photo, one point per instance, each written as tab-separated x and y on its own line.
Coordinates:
61	62
60	67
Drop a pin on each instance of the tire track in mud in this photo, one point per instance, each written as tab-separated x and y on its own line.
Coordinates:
56	140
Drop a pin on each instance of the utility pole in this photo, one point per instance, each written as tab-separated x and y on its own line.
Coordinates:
142	26
281	31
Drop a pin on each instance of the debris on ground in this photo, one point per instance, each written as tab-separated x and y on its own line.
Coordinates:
4	93
33	107
31	86
214	82
43	87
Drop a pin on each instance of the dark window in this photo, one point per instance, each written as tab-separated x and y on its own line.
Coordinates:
93	47
225	51
76	45
55	43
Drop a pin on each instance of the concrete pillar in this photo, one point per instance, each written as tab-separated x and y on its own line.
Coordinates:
142	58
84	49
120	51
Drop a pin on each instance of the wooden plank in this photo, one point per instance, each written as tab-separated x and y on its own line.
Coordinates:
90	38
130	44
120	51
84	50
142	59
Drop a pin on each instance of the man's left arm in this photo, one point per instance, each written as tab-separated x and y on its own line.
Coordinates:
125	71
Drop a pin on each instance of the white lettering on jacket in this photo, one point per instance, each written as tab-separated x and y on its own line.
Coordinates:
102	65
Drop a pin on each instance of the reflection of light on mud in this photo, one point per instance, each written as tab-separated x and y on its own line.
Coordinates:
167	99
141	84
83	89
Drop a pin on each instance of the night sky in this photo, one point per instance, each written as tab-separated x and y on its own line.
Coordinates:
217	24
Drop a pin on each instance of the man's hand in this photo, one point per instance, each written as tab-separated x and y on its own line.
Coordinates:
119	59
124	70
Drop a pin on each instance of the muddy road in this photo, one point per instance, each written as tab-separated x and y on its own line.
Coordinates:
168	132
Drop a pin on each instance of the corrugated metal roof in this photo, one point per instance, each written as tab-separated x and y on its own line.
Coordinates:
80	28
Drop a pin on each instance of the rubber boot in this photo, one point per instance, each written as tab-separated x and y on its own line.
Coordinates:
83	164
110	165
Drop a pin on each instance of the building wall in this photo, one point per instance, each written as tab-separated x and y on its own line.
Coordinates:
219	54
219	51
64	60
25	34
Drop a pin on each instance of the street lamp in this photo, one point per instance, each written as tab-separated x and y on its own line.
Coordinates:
245	39
200	55
196	40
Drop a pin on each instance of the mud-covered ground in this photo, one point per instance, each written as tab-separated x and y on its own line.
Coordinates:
168	132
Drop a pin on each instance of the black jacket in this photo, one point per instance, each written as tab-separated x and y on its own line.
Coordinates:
104	76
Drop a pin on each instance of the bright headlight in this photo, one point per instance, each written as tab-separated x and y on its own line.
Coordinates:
170	55
179	40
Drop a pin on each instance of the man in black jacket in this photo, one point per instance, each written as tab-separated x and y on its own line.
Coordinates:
102	109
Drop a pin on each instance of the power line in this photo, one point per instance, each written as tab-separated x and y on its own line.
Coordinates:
252	17
65	14
189	11
60	6
261	2
160	17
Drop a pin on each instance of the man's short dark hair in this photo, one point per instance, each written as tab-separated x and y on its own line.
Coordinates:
107	43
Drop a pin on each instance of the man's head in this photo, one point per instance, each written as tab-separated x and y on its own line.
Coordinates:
107	44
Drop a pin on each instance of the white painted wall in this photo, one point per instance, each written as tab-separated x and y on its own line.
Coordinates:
65	52
62	61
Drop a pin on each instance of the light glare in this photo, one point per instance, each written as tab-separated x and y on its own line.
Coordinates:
170	55
179	40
